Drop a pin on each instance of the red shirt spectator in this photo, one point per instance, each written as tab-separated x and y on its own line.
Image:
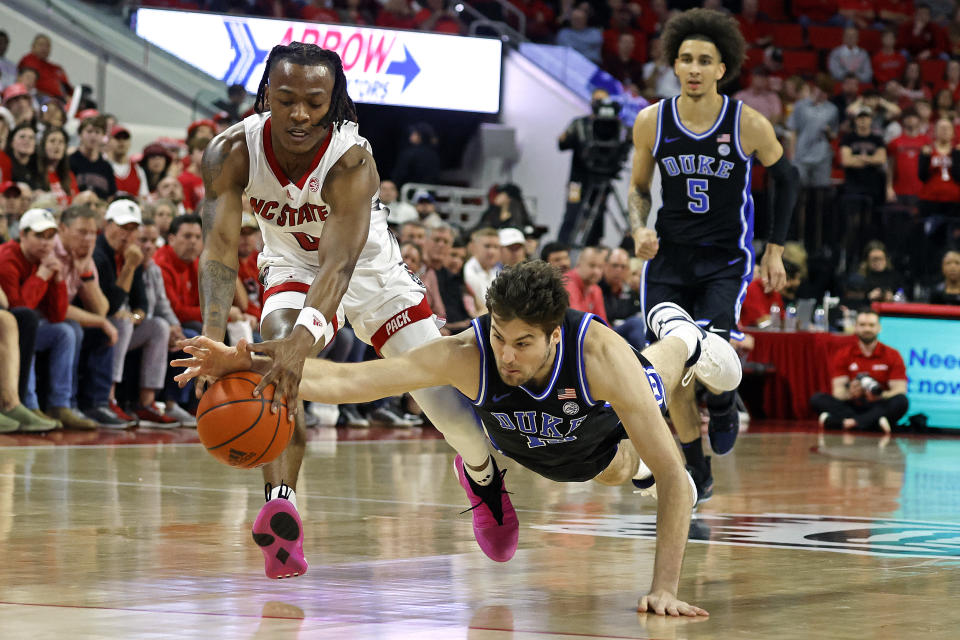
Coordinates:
905	153
540	18
887	66
63	194
895	11
396	14
6	167
250	277
582	283
192	189
757	303
883	365
920	37
861	12
934	170
51	78
179	262
18	272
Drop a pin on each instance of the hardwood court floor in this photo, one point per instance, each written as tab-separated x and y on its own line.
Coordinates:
839	537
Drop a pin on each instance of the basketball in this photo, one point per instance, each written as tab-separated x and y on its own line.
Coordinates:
237	428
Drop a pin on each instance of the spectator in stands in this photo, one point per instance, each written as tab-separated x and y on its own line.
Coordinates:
21	149
14	416
155	164
507	209
92	170
940	192
231	108
817	11
158	306
17	100
921	38
814	121
883	111
55	174
903	178
622	63
453	289
30	277
850	58
436	247
419	160
438	16
761	97
87	311
896	12
948	291
400	211
483	266
356	12
6	126
413	258
755	311
426	207
248	248
863	157
413	231
858	13
755	28
888	63
513	247
540	17
162	212
199	129
395	14
179	262
582	283
951	80
319	11
869	383
581	37
128	175
51	78
659	79
621	301
953	33
190	178
849	93
912	87
11	204
169	188
875	280
557	255
943	104
8	68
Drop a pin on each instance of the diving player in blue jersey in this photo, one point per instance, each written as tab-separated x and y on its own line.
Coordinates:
700	254
556	391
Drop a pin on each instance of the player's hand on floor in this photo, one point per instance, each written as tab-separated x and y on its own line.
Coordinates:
210	360
664	603
286	368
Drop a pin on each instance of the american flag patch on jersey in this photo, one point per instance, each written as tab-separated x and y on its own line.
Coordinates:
566	394
724	138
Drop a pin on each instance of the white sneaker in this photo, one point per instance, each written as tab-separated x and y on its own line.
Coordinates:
327	414
884	424
181	415
718	367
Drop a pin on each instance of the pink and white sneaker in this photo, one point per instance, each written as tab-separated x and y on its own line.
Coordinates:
278	532
495	523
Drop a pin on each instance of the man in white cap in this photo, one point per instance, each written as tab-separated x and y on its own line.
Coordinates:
30	278
118	258
513	246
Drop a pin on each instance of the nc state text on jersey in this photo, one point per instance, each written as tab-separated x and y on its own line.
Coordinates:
288	216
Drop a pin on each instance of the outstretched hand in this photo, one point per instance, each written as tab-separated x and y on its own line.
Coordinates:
211	360
287	356
663	603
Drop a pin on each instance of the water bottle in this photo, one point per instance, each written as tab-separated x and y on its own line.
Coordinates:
819	319
849	321
775	320
899	296
790	318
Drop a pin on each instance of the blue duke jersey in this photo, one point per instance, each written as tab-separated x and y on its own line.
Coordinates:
705	180
561	431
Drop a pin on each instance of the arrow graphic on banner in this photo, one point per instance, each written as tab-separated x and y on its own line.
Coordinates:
408	68
246	55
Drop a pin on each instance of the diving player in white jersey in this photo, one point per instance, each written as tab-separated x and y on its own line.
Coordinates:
313	186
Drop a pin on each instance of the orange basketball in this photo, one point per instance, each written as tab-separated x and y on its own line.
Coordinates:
238	429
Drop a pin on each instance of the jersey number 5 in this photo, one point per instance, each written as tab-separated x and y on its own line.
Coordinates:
699	198
307	242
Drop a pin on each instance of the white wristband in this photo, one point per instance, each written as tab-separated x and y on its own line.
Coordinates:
313	321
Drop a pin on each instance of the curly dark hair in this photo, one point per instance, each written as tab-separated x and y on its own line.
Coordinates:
710	26
342	108
531	291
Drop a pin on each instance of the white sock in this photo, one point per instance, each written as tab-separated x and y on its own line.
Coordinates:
275	493
689	333
482	478
643	472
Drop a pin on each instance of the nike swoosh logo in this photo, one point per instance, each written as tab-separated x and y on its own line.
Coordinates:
734	261
499	398
669	140
714	330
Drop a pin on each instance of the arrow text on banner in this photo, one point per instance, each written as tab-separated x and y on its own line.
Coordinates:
373	51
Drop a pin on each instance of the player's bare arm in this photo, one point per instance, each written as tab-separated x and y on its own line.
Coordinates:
638	200
454	360
615	375
224	167
759	138
348	189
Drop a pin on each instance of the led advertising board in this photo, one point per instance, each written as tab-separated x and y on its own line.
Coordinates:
383	66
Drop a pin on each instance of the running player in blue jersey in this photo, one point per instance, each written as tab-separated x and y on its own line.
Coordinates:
700	253
555	389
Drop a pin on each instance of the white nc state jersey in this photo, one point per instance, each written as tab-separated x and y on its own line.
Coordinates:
291	215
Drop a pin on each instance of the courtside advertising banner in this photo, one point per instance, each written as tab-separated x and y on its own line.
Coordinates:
383	66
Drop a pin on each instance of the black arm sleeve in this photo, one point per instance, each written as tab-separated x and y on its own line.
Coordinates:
107	272
955	164
923	167
786	187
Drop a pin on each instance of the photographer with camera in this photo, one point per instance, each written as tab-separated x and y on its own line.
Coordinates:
869	383
600	145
